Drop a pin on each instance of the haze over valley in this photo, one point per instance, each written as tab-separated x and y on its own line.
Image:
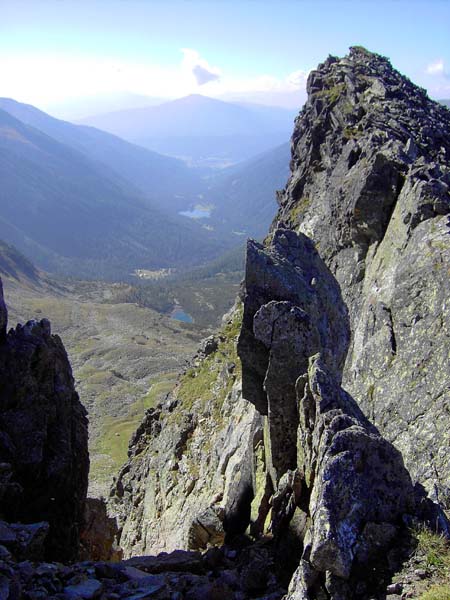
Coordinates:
105	219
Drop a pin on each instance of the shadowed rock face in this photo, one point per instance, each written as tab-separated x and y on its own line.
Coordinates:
43	436
292	310
359	492
369	184
3	315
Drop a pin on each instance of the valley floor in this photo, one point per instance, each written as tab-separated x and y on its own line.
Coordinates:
125	358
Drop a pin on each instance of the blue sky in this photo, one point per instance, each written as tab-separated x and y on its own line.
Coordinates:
53	50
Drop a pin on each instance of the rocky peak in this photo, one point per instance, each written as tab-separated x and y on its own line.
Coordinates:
369	184
364	129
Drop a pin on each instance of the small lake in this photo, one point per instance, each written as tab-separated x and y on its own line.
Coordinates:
180	315
198	212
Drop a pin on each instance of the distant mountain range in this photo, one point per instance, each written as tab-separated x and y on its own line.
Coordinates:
202	130
75	215
167	182
85	106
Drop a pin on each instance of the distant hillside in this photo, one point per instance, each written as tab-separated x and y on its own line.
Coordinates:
76	216
201	128
244	195
168	182
15	265
445	102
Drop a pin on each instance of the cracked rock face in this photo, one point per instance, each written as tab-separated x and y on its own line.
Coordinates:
370	177
189	480
359	491
43	436
335	480
292	309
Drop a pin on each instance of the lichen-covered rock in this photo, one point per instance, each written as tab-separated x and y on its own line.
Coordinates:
189	480
325	460
292	310
44	460
359	492
370	177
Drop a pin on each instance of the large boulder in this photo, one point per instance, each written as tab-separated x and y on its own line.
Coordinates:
359	493
292	310
44	459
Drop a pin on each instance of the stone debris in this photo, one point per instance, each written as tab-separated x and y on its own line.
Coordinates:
179	575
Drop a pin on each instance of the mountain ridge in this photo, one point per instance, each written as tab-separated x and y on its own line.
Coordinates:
201	129
160	178
274	480
79	206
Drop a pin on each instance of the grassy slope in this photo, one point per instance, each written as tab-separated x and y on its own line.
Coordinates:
124	357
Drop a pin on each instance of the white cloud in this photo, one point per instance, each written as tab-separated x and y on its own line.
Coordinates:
297	79
48	79
436	68
201	70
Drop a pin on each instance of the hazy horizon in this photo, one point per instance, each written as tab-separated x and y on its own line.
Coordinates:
78	59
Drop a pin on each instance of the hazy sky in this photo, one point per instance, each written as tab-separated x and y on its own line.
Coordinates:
54	50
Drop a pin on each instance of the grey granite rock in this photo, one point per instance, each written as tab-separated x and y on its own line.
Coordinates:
189	479
44	459
370	177
292	309
358	488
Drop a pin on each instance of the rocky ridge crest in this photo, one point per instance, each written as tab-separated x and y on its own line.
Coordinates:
369	184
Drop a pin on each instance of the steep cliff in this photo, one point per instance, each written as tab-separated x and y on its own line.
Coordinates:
43	435
189	476
369	184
